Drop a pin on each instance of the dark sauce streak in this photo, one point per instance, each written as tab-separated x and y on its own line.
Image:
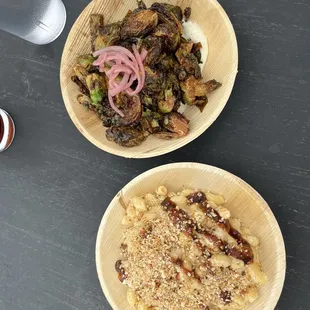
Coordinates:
197	197
185	224
167	204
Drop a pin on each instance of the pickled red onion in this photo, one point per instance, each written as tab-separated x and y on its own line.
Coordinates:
119	62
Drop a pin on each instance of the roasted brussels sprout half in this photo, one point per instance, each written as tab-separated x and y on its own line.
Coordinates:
126	136
171	38
195	91
130	106
97	87
176	10
139	24
154	46
187	60
108	35
177	123
166	16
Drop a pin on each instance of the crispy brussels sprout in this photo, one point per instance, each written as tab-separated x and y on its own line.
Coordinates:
167	105
176	10
177	123
154	46
153	81
188	60
172	38
166	16
86	61
97	87
139	24
126	136
195	91
108	35
130	106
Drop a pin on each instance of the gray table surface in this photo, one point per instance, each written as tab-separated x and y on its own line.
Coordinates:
55	185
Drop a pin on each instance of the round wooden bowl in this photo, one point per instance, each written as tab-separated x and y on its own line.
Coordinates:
221	65
242	201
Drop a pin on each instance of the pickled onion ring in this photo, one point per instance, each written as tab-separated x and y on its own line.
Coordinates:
122	67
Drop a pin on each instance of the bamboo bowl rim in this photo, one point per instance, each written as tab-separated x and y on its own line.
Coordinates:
275	285
90	126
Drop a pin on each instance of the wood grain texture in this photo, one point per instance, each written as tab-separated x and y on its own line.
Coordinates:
55	185
242	201
221	65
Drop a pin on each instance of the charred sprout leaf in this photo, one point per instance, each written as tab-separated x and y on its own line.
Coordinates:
153	81
195	91
96	23
171	37
139	24
130	106
176	10
212	85
141	5
187	13
167	105
86	61
154	47
166	16
83	89
126	136
107	36
188	60
97	87
84	100
81	73
177	123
